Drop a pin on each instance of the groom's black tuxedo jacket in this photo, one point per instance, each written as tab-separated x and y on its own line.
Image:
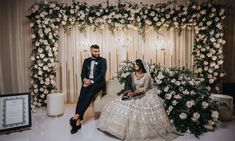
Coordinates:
100	69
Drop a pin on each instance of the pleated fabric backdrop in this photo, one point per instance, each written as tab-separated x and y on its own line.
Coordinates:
166	48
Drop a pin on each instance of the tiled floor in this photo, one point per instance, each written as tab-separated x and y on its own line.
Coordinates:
45	128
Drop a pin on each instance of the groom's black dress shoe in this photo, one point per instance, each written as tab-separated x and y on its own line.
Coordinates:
75	129
73	122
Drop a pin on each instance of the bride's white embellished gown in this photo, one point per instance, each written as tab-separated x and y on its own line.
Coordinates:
142	119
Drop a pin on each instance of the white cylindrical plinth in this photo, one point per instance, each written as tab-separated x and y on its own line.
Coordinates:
55	104
226	112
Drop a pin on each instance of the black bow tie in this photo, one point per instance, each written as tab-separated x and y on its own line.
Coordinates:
93	59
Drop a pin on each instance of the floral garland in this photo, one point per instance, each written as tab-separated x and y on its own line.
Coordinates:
46	18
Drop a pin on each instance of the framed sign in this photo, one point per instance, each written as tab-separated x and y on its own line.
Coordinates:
15	111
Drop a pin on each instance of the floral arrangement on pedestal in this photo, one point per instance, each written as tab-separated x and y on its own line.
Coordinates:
125	69
187	101
46	18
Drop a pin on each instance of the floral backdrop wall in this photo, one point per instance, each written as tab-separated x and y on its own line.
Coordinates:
46	18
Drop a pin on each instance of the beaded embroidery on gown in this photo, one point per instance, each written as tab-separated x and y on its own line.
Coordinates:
142	119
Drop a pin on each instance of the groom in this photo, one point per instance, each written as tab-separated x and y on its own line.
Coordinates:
93	80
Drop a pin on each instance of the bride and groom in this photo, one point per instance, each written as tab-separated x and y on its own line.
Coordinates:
137	115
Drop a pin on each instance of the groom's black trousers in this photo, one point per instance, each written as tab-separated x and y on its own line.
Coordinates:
87	94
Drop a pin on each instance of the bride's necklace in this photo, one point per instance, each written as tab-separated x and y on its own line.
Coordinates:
139	76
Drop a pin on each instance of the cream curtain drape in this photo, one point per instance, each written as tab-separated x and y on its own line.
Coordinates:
15	49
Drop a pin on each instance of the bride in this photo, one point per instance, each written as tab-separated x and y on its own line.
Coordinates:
139	114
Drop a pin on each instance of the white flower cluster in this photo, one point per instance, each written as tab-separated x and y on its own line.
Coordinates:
208	46
45	37
125	69
186	99
46	18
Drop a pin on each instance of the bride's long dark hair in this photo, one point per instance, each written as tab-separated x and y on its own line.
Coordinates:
141	65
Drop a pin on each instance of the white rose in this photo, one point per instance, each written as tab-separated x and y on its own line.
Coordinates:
45	42
41	89
204	105
215	115
159	81
208	88
35	85
160	75
220	62
33	36
71	11
177	83
183	116
202	56
173	81
195	117
39	72
186	92
63	23
152	14
35	90
166	89
37	43
39	104
167	16
45	68
190	103
42	95
46	91
47	83
205	63
35	103
50	54
52	82
174	102
162	20
42	55
40	50
214	58
168	96
177	96
155	19
170	108
211	81
31	24
32	58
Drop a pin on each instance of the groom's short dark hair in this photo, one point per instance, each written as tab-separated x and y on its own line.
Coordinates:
94	46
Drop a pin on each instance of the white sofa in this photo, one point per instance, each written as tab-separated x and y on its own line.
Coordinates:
113	87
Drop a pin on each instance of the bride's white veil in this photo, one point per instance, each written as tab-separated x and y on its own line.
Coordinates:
146	67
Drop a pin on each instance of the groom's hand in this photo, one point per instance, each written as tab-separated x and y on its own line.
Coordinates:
85	85
87	81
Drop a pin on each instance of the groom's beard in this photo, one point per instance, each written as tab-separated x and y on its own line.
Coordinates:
95	56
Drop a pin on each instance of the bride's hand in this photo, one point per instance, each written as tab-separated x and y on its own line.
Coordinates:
141	90
130	94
